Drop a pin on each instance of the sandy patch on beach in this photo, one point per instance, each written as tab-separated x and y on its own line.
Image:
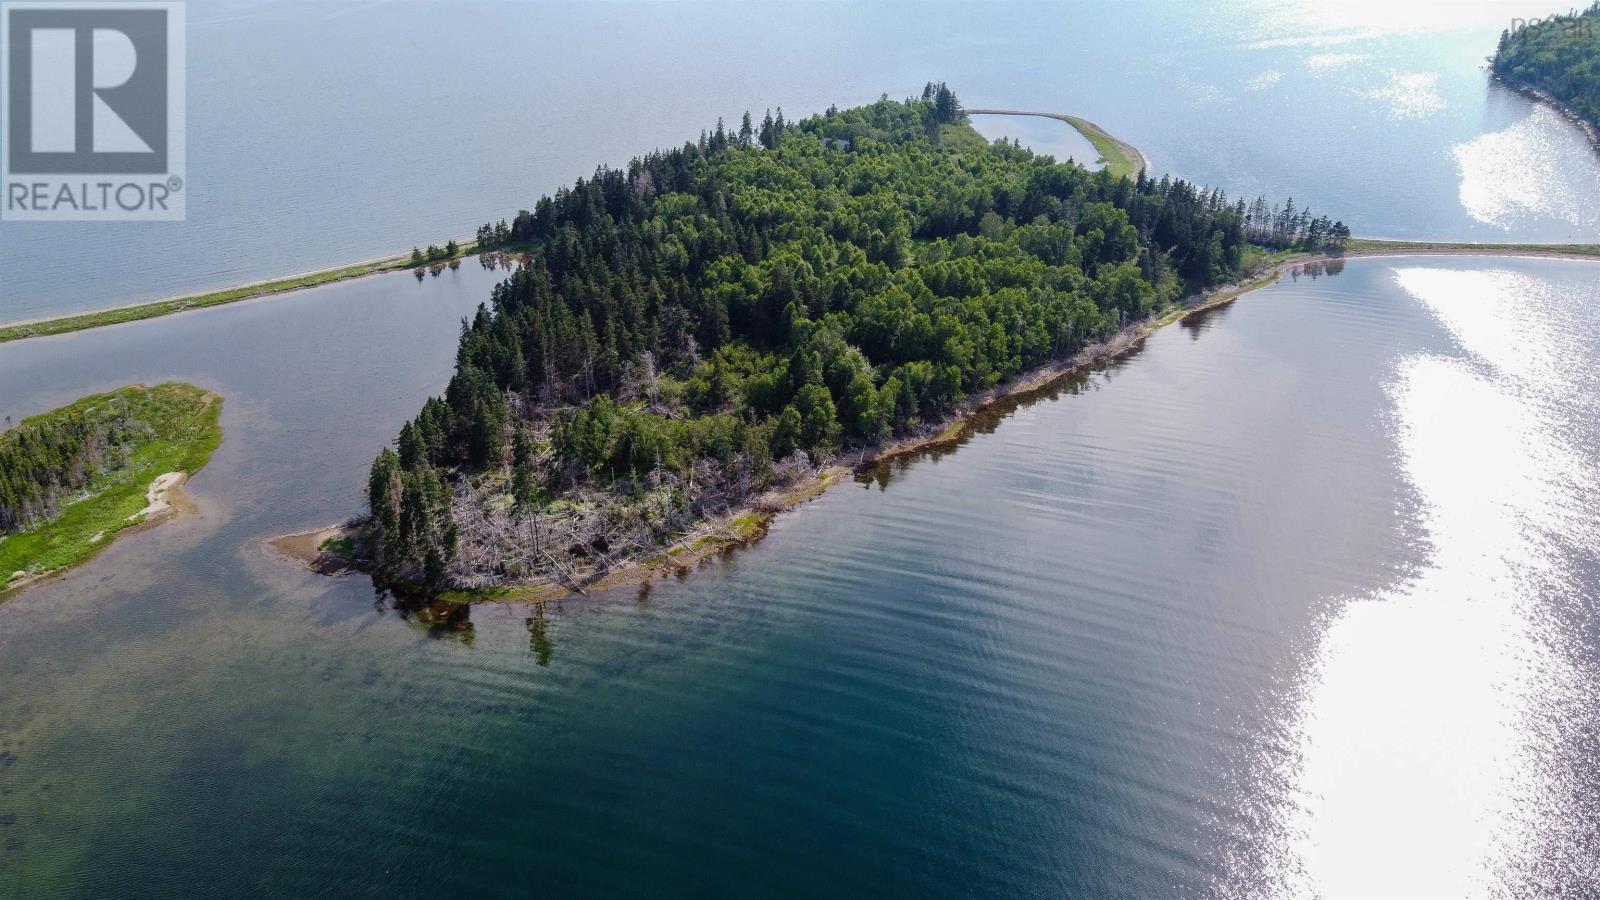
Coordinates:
164	496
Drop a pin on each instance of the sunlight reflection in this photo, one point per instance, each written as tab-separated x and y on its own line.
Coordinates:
1409	95
1507	175
1423	723
1314	24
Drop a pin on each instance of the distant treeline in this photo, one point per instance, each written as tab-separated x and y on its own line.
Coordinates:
685	326
943	107
435	253
1560	56
1284	226
45	462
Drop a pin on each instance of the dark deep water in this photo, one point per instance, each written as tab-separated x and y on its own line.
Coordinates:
1297	600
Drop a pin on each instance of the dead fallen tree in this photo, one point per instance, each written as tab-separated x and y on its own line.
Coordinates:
592	531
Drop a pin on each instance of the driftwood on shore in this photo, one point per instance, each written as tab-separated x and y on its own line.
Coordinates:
591	533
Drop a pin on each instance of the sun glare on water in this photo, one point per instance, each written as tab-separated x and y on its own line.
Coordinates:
1510	175
1425	721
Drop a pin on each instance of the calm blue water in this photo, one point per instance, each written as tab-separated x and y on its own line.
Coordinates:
1239	616
322	133
1299	600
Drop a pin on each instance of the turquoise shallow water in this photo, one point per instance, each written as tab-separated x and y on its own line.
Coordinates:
1103	648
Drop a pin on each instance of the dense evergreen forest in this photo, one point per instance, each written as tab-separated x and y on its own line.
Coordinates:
1560	56
720	318
45	462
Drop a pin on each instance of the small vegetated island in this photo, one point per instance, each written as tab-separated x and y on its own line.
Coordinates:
72	478
1558	57
691	340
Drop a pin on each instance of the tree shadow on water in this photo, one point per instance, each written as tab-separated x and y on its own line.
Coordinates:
437	618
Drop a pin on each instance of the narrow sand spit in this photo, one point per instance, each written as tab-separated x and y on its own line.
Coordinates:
165	495
305	548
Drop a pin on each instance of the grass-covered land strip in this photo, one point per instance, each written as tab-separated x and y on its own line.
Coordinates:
1375	246
130	438
157	308
1120	157
135	312
960	136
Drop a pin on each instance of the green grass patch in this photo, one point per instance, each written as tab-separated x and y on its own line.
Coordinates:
1256	259
199	301
339	546
1357	245
959	136
182	429
1120	157
1118	160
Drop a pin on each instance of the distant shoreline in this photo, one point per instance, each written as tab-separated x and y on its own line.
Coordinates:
1363	247
1121	158
116	315
153	309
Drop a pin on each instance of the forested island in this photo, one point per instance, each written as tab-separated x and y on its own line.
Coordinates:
72	478
1560	58
690	338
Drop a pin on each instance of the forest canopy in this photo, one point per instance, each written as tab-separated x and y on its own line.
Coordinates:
1560	56
711	319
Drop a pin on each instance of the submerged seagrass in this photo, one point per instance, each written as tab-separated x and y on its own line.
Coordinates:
720	320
